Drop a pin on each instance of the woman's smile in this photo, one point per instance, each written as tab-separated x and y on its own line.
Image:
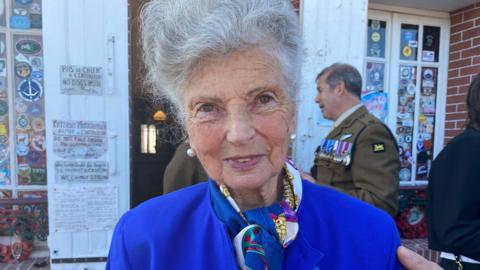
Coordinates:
244	163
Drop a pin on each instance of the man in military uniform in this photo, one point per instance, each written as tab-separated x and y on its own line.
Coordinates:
182	171
359	156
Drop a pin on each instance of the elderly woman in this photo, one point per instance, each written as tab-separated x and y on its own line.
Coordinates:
231	67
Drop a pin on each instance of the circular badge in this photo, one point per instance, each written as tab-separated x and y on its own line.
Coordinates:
405	174
411	89
38	125
35	110
30	90
23	122
22	150
36	62
428	74
37	75
35	8
20	107
405	72
407	51
408	139
38	143
3	107
376	36
403	100
23	70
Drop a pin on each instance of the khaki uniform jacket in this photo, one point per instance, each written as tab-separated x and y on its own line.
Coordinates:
373	173
182	171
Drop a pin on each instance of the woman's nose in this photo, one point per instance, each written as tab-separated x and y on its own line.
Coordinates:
240	129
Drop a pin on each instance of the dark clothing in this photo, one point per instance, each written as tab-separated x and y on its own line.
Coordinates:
182	171
453	200
373	174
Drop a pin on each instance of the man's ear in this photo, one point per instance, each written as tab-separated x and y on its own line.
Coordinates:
340	88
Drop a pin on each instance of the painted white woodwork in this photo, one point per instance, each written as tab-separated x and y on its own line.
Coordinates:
87	33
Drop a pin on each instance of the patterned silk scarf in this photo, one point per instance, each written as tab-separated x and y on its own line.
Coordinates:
260	235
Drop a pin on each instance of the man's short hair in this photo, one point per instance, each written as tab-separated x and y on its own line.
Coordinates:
340	72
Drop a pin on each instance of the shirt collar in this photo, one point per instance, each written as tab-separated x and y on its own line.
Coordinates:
346	114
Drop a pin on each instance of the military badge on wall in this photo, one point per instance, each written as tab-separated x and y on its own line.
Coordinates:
29	102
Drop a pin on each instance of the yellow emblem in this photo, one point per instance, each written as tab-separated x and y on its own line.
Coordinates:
407	51
378	147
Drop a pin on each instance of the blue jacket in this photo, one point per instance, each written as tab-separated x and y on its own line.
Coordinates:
181	231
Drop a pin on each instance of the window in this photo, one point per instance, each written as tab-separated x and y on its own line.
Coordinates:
405	85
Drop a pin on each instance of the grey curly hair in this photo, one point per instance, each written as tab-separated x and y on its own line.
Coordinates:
178	34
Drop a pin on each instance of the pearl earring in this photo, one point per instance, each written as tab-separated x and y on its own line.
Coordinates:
190	152
293	136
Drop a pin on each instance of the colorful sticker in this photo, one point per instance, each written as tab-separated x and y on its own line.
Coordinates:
30	90
23	69
407	51
28	46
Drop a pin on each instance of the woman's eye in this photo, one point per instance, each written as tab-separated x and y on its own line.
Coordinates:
265	99
206	108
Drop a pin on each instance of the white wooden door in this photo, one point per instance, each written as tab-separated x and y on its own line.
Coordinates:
87	124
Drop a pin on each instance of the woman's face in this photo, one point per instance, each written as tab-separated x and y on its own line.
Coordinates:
239	119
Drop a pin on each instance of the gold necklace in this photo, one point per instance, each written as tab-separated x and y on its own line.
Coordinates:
288	195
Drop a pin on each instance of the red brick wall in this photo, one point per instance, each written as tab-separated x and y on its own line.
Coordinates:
464	64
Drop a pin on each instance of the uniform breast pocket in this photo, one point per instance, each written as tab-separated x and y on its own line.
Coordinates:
325	171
